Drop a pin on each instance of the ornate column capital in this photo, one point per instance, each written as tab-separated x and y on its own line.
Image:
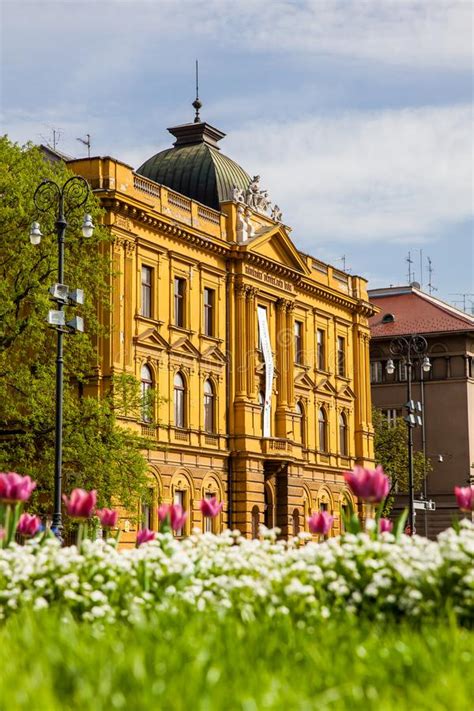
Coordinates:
240	290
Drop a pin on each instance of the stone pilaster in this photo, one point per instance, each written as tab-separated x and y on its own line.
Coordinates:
290	353
240	342
250	328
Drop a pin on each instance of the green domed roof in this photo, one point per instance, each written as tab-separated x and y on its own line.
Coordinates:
195	167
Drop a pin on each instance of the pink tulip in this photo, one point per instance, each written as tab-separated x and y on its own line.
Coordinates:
107	517
14	487
174	514
371	485
81	504
385	525
210	507
28	526
320	523
145	535
465	497
2	533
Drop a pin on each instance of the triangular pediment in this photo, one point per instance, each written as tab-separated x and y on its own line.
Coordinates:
346	392
303	380
324	387
274	244
183	346
213	355
151	339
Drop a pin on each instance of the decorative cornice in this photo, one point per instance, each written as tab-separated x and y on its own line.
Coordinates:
155	223
119	206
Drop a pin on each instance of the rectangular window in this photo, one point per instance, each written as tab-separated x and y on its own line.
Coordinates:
180	498
321	349
298	342
376	371
402	371
179	301
391	415
147	292
341	356
263	309
209	312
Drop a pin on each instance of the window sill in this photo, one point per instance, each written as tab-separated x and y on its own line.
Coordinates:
214	339
149	319
181	329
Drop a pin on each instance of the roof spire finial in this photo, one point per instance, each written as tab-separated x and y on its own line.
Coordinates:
197	104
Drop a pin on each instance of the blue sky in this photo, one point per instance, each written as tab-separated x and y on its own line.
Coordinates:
357	114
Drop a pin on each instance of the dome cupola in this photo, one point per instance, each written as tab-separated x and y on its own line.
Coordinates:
195	166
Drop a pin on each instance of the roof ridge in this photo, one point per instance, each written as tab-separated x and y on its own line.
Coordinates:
439	303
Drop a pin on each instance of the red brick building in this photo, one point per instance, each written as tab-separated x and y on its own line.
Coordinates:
446	392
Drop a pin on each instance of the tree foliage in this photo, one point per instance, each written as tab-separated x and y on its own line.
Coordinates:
391	451
98	452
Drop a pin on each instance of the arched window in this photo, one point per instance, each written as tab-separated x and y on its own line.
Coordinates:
255	521
209	409
300	424
146	384
343	445
261	402
296	522
322	430
179	401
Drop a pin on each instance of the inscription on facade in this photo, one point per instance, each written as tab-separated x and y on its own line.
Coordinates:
270	279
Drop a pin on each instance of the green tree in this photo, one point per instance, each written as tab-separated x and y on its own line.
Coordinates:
98	452
391	451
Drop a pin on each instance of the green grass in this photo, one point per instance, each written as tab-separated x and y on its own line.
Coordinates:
199	663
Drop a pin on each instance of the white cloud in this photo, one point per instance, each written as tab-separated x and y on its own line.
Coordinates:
424	33
390	175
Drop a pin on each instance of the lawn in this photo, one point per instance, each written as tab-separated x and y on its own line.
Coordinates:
204	662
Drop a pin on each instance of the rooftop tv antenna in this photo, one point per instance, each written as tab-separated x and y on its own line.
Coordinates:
464	295
56	136
343	259
431	288
87	142
197	104
411	274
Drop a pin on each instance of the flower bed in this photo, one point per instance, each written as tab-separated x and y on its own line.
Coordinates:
356	574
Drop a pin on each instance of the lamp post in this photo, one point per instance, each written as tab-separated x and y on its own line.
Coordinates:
410	348
50	197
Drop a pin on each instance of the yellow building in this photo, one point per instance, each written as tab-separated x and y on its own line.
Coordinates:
259	353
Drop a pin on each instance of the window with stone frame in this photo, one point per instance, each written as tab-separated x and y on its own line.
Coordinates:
322	430
341	356
147	291
209	309
180	302
209	407
321	349
146	387
343	435
179	399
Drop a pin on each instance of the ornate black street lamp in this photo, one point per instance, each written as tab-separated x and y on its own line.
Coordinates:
61	201
410	349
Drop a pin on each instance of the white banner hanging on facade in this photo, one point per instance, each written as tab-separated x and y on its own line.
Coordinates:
268	359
